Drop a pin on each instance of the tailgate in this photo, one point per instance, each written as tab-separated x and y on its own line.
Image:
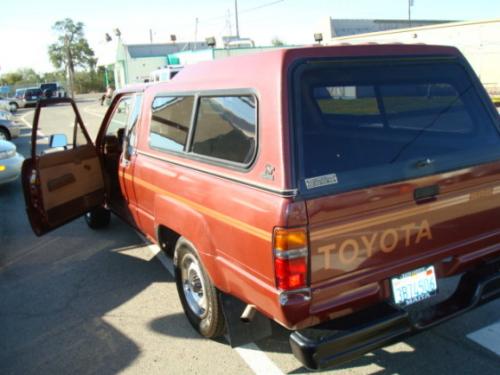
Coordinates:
376	233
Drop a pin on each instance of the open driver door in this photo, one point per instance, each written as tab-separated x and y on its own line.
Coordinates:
64	180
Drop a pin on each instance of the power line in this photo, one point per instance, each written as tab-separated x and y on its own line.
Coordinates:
261	6
244	11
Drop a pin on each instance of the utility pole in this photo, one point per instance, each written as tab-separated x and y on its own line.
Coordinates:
151	36
195	31
236	16
410	4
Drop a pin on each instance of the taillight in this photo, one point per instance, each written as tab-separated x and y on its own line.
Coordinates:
290	258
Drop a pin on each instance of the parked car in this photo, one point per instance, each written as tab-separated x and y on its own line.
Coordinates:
9	129
27	97
8	104
52	90
10	162
340	191
5	115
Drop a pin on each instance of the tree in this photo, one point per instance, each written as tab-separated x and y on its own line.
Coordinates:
277	42
23	76
71	50
11	78
29	76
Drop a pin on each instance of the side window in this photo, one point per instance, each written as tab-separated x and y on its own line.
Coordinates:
226	128
120	116
170	122
132	125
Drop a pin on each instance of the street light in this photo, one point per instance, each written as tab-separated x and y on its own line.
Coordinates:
117	32
318	37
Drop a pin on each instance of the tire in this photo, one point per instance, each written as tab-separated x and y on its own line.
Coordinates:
4	134
198	295
14	107
98	218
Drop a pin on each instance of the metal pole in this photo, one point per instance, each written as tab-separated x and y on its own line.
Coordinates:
236	16
409	11
151	36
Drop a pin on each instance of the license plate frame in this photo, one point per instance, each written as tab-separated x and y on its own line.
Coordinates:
414	286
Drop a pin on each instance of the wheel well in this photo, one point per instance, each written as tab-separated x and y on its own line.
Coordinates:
6	130
167	238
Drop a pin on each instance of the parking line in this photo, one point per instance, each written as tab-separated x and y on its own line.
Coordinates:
488	337
255	358
25	122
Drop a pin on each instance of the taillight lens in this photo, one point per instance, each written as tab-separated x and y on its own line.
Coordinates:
290	258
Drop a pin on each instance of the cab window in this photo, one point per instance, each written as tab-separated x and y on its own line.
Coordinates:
226	128
170	122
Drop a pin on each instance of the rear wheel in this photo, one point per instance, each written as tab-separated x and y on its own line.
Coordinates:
197	293
98	218
4	135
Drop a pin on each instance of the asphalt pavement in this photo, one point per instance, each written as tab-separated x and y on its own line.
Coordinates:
99	302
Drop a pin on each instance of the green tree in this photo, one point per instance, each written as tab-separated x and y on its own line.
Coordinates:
277	42
71	50
29	76
11	78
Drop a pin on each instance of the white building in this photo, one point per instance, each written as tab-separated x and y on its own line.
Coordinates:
338	27
479	41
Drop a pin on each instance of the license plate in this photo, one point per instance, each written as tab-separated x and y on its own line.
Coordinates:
414	286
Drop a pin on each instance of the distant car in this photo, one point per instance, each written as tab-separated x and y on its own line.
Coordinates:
10	162
52	90
9	130
27	97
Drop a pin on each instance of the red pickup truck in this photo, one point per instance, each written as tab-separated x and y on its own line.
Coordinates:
349	193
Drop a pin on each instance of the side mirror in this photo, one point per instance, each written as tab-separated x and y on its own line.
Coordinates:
58	140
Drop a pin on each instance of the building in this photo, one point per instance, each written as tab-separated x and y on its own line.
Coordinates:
192	57
134	62
333	28
479	41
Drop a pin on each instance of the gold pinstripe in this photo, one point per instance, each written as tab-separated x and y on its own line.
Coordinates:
257	232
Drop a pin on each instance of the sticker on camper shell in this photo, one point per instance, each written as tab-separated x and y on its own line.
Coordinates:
327	179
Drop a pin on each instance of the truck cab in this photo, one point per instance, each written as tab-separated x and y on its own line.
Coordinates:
333	190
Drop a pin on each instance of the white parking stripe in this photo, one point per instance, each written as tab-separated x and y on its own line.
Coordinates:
167	263
255	358
489	337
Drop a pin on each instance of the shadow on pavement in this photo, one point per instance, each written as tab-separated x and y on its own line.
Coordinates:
53	301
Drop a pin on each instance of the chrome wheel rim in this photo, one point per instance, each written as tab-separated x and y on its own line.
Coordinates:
3	137
193	286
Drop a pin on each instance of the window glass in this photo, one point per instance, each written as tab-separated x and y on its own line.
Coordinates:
226	128
367	124
120	116
131	124
170	122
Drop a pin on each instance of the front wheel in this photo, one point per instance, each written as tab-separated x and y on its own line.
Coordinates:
197	293
98	218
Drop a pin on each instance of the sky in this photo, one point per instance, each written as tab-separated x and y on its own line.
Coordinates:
26	26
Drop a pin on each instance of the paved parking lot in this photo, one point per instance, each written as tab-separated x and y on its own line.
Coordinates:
83	301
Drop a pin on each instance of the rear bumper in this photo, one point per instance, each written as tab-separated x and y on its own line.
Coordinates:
346	338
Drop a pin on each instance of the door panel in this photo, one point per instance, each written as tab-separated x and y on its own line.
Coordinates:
79	175
65	183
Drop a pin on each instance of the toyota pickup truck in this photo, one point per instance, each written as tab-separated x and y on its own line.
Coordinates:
350	194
